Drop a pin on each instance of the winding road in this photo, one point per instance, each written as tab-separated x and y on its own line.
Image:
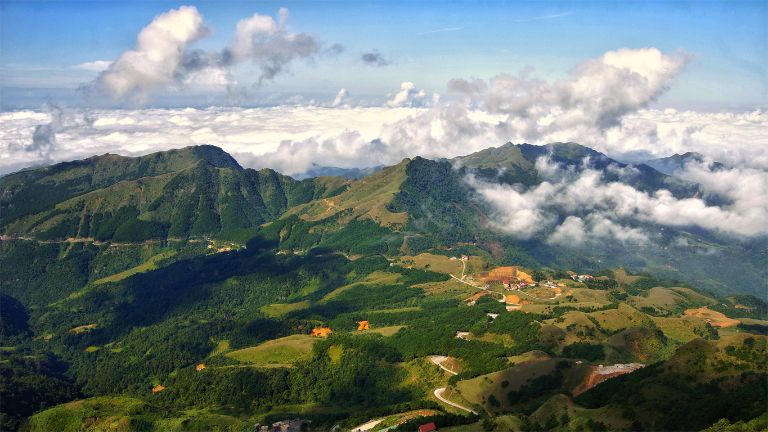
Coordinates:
438	394
438	360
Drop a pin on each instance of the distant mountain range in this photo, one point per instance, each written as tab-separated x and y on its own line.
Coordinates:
181	291
669	165
347	173
202	191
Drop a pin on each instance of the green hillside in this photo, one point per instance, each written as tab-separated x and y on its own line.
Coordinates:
112	299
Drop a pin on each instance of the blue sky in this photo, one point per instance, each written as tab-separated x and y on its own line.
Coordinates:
42	40
360	84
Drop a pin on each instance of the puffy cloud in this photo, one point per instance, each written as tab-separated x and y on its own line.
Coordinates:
374	58
269	44
160	57
406	95
570	232
343	93
598	94
600	106
593	207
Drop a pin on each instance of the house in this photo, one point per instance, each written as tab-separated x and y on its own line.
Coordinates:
427	427
321	332
200	367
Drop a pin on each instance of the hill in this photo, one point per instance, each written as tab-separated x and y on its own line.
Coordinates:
113	297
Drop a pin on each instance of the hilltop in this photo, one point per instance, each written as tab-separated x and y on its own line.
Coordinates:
180	291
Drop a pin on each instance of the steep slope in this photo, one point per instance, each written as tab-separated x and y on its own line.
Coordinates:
366	198
34	190
190	192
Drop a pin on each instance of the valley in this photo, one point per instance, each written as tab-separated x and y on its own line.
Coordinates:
179	291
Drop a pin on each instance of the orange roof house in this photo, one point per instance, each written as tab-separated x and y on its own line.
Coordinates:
321	332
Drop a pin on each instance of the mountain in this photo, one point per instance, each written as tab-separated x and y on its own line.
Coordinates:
180	291
419	205
195	191
669	165
348	173
515	163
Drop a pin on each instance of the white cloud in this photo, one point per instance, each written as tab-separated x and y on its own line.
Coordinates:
343	93
157	59
406	95
162	60
253	135
96	66
269	44
596	208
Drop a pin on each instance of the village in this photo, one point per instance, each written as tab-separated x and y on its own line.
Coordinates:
512	279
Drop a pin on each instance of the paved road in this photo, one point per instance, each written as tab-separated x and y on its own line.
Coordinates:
438	394
438	360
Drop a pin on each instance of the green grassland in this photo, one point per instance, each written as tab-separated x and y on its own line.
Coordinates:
286	350
151	264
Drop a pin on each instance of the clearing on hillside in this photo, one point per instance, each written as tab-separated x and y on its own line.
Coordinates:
147	266
287	350
436	263
717	319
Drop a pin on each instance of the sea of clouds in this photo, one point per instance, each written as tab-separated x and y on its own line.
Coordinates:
604	104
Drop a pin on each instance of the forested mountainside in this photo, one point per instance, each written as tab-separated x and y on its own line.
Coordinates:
193	294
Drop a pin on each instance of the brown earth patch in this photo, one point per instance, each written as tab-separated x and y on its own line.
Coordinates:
498	274
525	277
362	325
477	296
713	317
512	299
593	379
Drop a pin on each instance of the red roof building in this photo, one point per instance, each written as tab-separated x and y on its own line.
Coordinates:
427	427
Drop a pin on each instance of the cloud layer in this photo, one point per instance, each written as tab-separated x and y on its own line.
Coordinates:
603	105
163	61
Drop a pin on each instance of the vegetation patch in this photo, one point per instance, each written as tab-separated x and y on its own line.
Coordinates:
286	350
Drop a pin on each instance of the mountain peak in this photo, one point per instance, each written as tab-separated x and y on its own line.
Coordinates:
215	156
